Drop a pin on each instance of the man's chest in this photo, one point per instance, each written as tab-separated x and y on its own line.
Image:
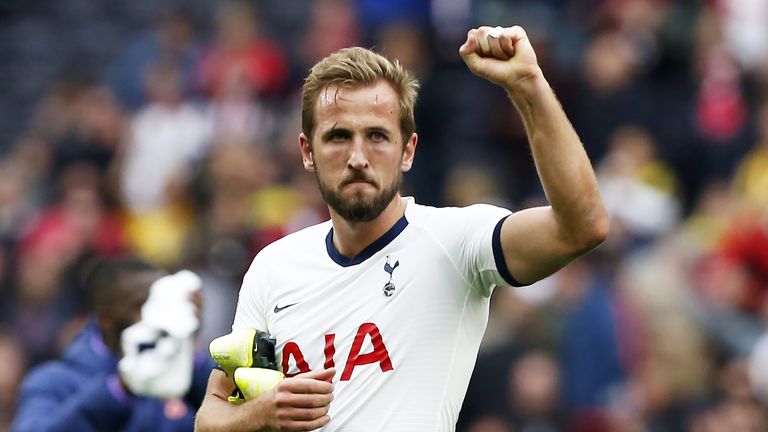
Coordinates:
370	315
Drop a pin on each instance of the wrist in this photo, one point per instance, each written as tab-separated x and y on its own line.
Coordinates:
262	413
527	83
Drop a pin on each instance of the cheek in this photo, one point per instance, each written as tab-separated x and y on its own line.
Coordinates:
329	161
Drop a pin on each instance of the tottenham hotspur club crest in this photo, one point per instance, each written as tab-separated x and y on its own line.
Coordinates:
389	288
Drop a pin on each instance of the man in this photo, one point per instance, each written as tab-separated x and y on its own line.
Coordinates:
90	390
389	299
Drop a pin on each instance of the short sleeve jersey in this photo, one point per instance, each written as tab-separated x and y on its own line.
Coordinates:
401	322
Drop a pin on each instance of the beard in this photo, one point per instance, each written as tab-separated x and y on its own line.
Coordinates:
359	208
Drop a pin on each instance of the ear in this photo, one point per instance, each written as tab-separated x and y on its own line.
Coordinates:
409	152
306	153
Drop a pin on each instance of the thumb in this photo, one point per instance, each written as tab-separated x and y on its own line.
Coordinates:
320	375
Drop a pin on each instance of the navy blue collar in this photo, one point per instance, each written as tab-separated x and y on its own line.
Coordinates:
368	252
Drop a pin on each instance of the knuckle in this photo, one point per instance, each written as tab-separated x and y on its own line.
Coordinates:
288	425
308	414
282	399
316	402
321	387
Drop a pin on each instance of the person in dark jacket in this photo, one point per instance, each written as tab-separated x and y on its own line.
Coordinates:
84	391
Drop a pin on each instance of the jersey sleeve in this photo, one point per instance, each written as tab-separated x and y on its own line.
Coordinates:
472	236
251	311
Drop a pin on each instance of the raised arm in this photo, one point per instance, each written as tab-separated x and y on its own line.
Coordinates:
297	404
539	241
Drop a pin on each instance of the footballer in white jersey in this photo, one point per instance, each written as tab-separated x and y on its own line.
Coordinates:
378	313
401	321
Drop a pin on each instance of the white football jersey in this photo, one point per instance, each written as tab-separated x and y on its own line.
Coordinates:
401	322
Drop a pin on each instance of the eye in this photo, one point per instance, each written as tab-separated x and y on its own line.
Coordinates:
378	136
338	136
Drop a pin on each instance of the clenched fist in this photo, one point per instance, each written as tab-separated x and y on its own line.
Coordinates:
502	55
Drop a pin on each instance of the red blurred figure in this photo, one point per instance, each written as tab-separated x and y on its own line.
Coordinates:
242	54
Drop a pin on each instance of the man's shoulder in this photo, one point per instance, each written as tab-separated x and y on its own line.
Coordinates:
453	218
53	374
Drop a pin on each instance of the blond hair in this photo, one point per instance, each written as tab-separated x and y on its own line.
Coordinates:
359	67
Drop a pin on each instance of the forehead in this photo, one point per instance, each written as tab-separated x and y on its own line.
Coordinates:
344	104
135	287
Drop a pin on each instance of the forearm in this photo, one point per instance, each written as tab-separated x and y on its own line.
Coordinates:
562	164
300	404
218	415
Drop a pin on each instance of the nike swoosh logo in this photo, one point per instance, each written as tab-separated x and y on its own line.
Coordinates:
279	309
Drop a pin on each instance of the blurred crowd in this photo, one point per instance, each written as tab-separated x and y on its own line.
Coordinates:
169	129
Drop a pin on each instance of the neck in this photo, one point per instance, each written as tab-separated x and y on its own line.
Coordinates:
350	238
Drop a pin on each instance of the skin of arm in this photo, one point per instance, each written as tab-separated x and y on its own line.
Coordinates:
537	242
299	403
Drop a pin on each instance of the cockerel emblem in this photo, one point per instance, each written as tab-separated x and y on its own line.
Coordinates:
389	287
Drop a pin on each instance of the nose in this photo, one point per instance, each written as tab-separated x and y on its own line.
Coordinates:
357	158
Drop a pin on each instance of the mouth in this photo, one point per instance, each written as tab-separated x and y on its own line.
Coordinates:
358	187
358	182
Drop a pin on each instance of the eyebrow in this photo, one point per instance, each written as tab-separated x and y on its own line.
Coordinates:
379	129
329	133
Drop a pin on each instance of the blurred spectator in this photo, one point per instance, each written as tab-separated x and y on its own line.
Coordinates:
745	27
721	101
596	340
733	407
86	378
166	138
639	189
670	364
721	110
711	217
534	386
332	26
243	72
81	122
172	40
77	225
746	246
236	115
618	95
41	307
79	221
242	53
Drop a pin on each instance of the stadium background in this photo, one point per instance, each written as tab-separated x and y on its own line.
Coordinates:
169	129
